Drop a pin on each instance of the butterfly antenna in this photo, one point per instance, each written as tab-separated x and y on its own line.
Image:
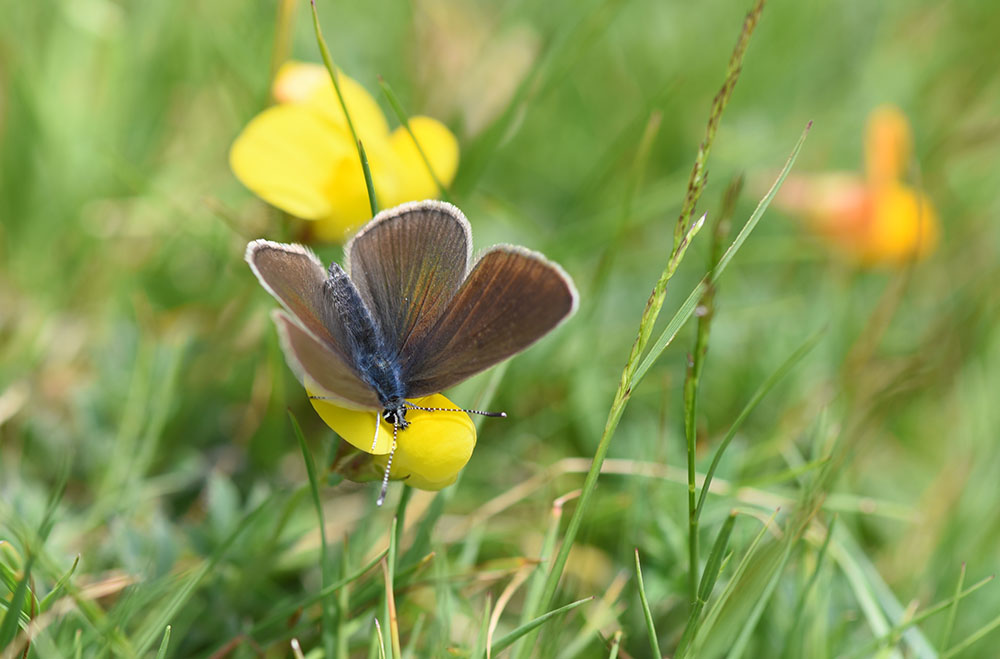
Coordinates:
388	466
501	415
378	418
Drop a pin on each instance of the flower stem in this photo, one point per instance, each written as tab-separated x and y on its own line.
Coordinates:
334	75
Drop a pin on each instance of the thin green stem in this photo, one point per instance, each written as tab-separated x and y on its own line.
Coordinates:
692	381
654	644
683	236
334	76
403	118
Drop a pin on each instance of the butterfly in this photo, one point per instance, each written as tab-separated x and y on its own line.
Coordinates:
407	316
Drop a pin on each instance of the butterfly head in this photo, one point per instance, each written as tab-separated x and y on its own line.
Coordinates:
394	413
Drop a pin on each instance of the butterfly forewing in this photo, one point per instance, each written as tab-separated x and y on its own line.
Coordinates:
313	361
511	299
294	276
407	265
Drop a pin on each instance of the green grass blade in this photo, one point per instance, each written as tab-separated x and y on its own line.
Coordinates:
508	639
654	644
343	602
654	304
876	598
751	405
404	121
799	611
523	648
283	613
369	183
949	623
12	617
46	602
389	611
616	642
712	569
326	607
716	610
164	644
972	638
479	650
689	305
692	382
893	633
743	639
150	630
332	70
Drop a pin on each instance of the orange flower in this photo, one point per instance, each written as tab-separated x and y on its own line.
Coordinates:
874	219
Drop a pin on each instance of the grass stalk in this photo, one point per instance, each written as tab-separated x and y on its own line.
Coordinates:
334	76
654	644
949	624
649	316
404	121
692	380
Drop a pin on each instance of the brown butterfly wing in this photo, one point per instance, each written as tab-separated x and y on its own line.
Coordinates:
512	298
407	264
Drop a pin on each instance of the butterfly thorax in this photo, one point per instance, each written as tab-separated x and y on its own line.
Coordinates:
370	352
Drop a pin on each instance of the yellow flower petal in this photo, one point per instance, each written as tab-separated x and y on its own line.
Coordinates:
284	156
441	148
301	157
888	145
429	453
296	81
904	226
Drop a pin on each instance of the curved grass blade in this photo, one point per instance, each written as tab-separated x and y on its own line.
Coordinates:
46	602
404	120
972	638
813	578
164	644
507	640
332	69
654	644
282	614
12	618
949	603
949	624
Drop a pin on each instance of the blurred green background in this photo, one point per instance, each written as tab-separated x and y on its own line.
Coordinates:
136	349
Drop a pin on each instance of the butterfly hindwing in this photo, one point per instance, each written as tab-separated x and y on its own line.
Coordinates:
407	264
294	276
511	298
316	365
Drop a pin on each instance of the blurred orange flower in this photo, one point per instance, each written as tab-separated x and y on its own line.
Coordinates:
299	154
875	219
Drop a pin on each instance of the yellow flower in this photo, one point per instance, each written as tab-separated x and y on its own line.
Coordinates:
874	219
429	452
299	155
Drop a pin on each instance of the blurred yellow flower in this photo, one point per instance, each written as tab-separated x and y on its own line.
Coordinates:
874	219
299	154
429	452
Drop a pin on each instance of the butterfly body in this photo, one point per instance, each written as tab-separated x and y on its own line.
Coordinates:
369	350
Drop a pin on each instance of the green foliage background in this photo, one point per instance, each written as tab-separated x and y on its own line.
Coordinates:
138	367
